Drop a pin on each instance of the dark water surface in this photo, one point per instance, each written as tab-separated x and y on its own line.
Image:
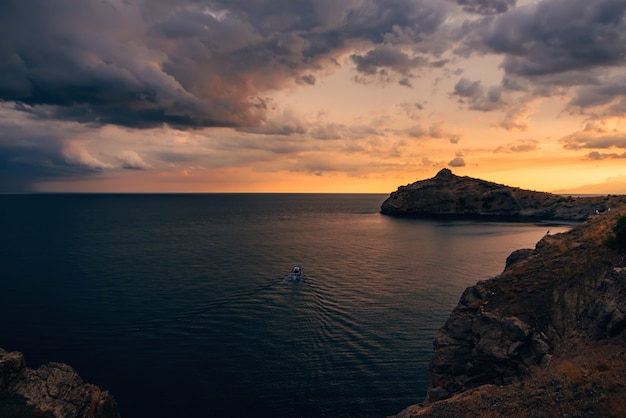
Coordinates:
178	304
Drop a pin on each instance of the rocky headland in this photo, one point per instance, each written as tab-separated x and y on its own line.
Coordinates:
450	196
546	337
54	390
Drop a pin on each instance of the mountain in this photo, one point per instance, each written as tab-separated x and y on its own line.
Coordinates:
449	196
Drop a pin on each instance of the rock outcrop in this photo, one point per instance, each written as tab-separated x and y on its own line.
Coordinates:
54	390
547	337
448	195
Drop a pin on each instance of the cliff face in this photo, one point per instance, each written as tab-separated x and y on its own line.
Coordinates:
54	390
448	195
547	337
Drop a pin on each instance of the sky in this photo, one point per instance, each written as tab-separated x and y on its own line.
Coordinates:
339	96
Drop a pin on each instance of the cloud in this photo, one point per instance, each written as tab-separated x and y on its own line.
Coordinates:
329	131
486	7
479	97
286	123
549	48
190	64
386	58
595	155
608	93
457	161
412	110
77	153
21	166
130	160
436	130
114	86
583	140
595	136
307	79
555	36
33	150
416	131
519	146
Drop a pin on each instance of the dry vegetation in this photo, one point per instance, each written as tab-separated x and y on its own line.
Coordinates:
590	383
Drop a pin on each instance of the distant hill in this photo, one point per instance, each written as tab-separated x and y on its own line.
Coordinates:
451	196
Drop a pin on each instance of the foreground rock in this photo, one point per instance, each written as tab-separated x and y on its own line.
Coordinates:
448	195
547	337
54	390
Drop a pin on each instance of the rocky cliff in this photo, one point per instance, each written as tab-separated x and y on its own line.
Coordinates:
547	337
448	195
54	390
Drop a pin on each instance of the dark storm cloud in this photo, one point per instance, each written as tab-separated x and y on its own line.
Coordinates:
386	56
574	48
608	92
486	7
478	96
186	63
554	36
70	57
27	157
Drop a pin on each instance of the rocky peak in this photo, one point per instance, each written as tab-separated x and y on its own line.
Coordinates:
444	175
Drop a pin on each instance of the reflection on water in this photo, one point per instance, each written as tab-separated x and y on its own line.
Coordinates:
178	303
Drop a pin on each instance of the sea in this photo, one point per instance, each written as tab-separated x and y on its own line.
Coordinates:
180	304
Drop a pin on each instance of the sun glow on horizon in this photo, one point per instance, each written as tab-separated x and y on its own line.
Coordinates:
260	99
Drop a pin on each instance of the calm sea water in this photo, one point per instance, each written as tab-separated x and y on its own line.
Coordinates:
178	304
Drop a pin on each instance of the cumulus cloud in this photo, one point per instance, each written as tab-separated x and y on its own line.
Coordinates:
131	160
549	48
478	96
486	7
386	59
595	136
607	93
457	161
555	36
582	140
77	153
189	64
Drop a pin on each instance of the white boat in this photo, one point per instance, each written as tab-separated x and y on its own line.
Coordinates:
296	273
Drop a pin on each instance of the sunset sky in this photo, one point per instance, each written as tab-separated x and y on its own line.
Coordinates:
310	95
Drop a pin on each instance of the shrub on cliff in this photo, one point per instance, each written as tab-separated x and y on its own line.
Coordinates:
620	232
618	241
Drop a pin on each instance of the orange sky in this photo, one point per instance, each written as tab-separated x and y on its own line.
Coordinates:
234	98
